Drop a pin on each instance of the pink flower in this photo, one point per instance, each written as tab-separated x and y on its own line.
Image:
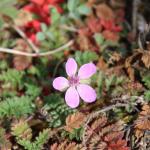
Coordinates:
75	84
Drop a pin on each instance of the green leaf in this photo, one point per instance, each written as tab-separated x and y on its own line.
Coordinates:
56	109
72	5
1	23
40	36
5	3
83	9
38	143
42	138
146	80
99	38
51	36
100	83
9	11
16	107
7	8
43	27
32	90
147	96
12	77
74	15
85	57
110	81
55	16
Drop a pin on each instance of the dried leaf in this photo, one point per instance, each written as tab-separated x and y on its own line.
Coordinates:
117	3
115	57
118	145
117	70
99	123
130	71
101	135
66	146
21	129
102	65
146	59
103	11
23	18
84	41
94	24
74	121
22	62
109	35
133	87
143	121
5	144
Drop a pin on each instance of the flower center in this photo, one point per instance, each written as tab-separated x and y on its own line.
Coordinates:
73	81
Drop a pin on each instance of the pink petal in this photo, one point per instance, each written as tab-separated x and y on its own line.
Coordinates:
86	71
71	67
60	83
72	97
86	92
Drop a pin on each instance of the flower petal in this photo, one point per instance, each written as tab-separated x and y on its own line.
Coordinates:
72	97
60	83
87	93
71	67
86	71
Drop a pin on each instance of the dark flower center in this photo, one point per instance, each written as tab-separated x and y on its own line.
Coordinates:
73	81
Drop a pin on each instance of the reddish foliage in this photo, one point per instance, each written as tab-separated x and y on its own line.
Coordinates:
94	25
40	8
110	25
109	35
118	145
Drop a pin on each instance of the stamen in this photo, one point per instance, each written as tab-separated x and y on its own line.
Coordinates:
73	81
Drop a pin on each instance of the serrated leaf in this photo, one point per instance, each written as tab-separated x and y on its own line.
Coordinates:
74	121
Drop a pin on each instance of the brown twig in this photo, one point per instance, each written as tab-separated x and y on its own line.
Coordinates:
28	41
17	52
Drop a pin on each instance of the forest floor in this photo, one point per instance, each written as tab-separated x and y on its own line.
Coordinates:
74	75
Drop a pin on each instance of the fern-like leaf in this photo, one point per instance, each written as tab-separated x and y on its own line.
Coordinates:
38	143
16	107
12	77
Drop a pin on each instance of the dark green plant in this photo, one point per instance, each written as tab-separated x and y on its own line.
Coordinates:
56	109
16	107
12	78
